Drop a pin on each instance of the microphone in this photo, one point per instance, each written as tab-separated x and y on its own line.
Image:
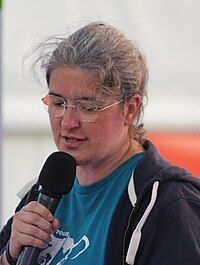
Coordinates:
56	178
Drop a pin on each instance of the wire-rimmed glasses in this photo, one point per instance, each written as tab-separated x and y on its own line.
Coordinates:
85	110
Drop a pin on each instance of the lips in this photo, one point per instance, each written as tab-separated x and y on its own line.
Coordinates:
73	142
72	139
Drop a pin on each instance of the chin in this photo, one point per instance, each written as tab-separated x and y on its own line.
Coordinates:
70	152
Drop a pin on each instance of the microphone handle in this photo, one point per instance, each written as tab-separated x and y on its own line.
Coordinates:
30	254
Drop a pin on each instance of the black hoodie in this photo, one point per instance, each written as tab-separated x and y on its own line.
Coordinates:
157	221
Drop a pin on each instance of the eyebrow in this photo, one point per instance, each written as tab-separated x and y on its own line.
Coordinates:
86	98
76	98
55	94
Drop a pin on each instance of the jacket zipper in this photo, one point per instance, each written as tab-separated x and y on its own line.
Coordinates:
125	234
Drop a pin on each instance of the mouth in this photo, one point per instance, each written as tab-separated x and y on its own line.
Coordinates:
72	139
73	142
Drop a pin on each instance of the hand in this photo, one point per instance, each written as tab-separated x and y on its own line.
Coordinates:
32	226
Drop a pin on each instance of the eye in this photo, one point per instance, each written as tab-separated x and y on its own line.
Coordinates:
86	106
57	102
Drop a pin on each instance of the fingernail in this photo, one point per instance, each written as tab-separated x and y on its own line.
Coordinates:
50	217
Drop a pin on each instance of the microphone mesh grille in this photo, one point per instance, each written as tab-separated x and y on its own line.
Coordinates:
58	173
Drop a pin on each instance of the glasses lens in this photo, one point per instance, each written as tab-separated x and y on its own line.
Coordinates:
54	105
86	111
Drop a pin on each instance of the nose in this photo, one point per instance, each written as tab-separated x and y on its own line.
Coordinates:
70	119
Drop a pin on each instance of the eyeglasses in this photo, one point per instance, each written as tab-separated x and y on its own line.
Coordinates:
85	110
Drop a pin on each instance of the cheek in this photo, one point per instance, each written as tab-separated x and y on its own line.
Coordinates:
110	126
55	125
114	121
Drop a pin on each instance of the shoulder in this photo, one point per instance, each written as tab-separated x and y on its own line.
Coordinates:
177	206
173	225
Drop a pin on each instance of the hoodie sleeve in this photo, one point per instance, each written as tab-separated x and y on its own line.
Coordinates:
6	231
174	237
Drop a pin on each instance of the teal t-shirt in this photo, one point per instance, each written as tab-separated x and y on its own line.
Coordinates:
85	215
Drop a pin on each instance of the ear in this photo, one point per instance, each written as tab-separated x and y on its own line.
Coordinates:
131	109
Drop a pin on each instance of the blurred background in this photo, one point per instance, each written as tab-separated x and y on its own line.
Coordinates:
167	31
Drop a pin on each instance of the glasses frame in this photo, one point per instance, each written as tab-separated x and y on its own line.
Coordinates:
74	107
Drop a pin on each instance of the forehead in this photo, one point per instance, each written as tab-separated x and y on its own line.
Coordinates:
72	82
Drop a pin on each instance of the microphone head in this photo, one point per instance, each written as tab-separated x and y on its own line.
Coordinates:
58	173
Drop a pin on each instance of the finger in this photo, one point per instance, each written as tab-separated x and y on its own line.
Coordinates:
30	230
33	219
24	240
40	209
55	224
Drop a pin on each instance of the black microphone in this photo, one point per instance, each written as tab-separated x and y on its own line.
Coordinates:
56	178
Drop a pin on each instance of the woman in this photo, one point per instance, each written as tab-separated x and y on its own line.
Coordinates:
128	205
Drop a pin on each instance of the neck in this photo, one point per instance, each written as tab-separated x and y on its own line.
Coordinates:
90	174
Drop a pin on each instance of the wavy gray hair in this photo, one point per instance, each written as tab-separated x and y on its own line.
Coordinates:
118	64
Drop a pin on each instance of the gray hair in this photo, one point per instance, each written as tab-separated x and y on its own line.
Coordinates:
118	64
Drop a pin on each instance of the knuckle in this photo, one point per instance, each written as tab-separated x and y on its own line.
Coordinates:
32	204
39	233
35	219
14	225
48	227
38	243
34	230
16	216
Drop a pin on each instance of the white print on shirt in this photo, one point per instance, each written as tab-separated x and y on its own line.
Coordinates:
61	241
